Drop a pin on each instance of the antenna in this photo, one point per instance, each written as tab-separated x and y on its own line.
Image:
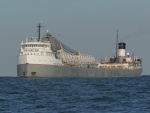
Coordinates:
117	45
39	31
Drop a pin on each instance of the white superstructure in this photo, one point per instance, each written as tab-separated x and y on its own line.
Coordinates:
37	52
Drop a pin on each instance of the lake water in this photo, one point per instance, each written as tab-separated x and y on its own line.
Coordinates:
75	95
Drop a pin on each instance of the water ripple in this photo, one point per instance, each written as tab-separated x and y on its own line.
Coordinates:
74	95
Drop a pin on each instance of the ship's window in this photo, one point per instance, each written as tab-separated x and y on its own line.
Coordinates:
33	73
24	73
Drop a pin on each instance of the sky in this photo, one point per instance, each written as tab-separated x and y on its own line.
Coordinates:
87	26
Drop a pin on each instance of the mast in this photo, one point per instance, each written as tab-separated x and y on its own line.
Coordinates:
39	31
117	45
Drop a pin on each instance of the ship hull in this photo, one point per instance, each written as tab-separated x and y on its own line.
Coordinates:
34	70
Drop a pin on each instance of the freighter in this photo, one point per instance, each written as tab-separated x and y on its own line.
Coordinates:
48	57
